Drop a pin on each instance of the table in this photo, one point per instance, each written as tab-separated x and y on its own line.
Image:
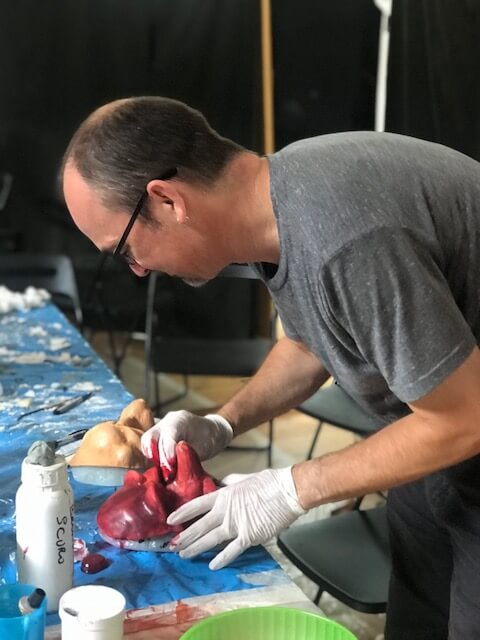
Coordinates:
43	358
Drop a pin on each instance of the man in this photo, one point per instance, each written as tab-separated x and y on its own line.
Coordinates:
370	246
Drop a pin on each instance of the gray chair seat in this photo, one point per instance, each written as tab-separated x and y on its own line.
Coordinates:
347	555
331	404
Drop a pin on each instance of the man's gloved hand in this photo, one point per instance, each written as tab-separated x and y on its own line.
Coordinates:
208	435
250	511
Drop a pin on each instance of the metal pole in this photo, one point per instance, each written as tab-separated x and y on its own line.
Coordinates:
267	77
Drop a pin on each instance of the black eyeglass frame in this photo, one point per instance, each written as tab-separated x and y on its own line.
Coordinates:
166	175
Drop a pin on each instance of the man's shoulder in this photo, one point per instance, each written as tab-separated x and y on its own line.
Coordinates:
345	139
369	143
323	142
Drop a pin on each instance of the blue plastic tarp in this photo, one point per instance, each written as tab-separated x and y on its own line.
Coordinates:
43	358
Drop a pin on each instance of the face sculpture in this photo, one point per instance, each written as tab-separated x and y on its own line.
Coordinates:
139	510
117	444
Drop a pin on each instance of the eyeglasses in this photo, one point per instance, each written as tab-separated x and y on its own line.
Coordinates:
167	175
96	283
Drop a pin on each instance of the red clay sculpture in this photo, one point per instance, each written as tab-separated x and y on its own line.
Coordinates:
139	510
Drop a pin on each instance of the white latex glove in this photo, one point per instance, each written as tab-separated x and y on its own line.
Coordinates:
250	511
208	435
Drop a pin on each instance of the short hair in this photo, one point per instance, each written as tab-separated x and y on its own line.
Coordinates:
123	145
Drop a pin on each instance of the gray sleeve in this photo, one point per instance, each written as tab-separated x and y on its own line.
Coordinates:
389	303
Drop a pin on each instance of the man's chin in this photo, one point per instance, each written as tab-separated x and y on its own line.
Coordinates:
194	283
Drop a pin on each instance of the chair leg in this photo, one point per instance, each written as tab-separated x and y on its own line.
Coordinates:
316	600
121	354
358	503
270	443
113	352
267	447
89	334
156	386
118	354
161	405
314	441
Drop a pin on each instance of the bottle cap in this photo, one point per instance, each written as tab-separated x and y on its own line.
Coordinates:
36	598
42	477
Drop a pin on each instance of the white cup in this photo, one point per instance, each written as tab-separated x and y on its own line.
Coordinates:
92	612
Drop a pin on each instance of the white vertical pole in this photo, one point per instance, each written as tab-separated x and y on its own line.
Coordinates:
385	7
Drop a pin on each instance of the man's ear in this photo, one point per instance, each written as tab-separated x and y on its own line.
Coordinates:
167	193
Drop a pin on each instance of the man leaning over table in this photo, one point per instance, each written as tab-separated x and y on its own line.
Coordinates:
370	246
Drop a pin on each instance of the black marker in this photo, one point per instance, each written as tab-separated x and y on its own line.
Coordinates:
30	603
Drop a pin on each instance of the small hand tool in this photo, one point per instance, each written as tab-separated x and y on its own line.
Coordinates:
72	437
71	403
58	407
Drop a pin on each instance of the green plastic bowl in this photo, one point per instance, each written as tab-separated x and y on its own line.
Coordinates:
267	623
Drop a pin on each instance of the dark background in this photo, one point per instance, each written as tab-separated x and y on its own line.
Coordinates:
434	71
60	60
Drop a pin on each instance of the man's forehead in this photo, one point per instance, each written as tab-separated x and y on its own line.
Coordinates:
76	190
88	212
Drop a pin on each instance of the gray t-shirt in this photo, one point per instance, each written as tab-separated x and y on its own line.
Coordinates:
379	271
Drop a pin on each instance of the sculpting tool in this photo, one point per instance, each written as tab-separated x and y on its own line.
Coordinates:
58	407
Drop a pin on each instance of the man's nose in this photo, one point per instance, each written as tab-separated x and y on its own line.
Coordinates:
139	271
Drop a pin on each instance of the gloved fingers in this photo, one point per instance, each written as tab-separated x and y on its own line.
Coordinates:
234	478
193	509
167	455
159	446
196	531
205	543
228	555
148	440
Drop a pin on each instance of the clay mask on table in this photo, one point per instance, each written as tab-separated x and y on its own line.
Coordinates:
116	443
135	516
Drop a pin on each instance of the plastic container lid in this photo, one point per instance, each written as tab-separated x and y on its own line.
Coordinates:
92	611
268	623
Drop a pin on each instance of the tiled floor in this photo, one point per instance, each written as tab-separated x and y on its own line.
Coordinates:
293	433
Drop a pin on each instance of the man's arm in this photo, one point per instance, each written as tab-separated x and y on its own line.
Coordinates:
289	375
443	430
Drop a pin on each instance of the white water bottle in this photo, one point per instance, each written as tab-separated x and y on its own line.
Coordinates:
44	514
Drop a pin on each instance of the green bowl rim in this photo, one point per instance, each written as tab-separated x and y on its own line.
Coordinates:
203	623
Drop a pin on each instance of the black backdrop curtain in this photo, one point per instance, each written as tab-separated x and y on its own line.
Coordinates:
325	56
434	72
62	58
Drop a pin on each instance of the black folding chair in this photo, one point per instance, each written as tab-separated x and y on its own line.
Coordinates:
332	405
347	554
